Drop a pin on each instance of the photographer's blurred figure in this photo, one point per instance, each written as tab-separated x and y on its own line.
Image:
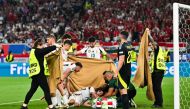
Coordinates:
9	57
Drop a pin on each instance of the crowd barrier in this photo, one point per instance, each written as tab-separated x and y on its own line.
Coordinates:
21	69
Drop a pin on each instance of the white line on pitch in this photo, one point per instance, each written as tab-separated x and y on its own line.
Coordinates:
16	102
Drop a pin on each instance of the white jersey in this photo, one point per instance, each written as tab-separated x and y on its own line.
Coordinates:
70	65
86	92
64	54
93	52
82	95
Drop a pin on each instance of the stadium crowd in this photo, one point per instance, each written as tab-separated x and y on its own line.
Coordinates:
24	20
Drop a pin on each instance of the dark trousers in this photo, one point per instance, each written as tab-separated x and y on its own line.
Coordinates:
157	77
39	80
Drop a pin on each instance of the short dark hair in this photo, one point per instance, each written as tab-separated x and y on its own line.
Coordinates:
107	72
125	34
38	42
92	39
79	64
69	42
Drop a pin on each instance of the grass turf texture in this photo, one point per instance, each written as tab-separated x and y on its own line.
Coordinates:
184	92
14	90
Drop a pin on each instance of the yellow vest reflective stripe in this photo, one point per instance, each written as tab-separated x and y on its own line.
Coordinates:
35	66
9	58
70	50
133	56
166	55
160	62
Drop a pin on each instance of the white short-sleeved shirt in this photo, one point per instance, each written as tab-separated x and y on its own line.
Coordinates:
93	52
82	95
86	92
70	65
64	55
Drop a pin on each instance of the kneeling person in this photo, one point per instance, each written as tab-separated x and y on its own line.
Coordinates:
69	67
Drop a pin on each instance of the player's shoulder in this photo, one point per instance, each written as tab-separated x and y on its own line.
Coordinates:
127	45
112	81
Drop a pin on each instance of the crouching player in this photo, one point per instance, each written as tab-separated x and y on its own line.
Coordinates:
62	94
112	89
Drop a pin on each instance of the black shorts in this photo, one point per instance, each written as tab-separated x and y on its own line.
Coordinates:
124	79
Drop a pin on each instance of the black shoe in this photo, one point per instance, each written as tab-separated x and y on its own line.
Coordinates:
22	107
156	106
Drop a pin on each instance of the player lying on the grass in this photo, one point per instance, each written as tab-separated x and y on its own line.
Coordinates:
101	102
82	96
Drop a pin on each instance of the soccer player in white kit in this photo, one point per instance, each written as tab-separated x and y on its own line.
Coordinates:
51	40
93	51
68	68
80	97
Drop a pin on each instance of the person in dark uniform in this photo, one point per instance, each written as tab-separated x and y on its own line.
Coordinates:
158	68
111	82
124	68
38	71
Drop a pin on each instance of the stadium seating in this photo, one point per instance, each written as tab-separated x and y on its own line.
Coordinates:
25	20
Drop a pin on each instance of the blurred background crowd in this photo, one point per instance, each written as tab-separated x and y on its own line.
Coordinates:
22	21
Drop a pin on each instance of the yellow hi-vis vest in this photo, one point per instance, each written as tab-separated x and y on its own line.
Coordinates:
160	62
35	66
166	57
9	58
70	50
133	56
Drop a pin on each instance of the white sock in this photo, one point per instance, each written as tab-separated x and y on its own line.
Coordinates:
25	105
58	96
65	99
50	106
54	101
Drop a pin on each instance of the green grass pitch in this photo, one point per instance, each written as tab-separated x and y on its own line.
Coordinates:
13	91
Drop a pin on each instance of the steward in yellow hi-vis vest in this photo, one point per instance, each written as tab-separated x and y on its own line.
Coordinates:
158	62
9	57
35	66
158	68
38	71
